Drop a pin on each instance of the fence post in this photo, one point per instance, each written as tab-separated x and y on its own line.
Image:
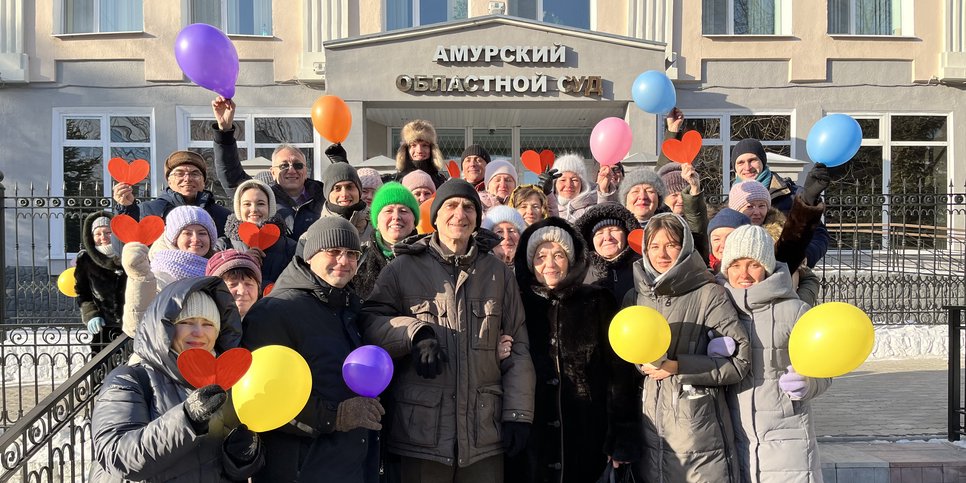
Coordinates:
955	391
3	253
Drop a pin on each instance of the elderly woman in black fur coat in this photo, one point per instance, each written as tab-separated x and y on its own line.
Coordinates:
100	281
605	228
585	406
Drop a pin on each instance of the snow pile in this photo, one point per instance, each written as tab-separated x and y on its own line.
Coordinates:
911	341
42	355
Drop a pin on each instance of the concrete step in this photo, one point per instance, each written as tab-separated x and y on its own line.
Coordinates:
934	461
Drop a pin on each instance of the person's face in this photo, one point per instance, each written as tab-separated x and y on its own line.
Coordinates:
456	219
194	239
194	333
186	180
473	168
254	206
419	150
550	264
568	185
422	194
395	222
508	246
675	201
745	272
757	211
102	236
501	186
662	251
531	209
289	169
244	290
368	194
642	201
336	266
718	237
748	166
344	193
609	241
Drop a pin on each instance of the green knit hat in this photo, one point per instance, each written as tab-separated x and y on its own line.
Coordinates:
392	193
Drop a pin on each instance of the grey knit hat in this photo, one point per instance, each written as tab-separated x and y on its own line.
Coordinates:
642	176
550	234
200	305
749	241
330	232
338	172
670	174
99	222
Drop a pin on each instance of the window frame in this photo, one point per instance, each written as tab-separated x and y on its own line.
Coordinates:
186	8
60	27
783	10
906	25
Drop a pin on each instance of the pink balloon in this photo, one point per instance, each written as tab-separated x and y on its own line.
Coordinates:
610	140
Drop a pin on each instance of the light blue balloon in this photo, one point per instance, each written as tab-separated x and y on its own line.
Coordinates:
833	140
653	92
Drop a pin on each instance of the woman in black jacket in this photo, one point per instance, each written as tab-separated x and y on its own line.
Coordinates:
605	228
100	281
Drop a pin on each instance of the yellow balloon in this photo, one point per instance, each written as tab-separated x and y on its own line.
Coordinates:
639	334
67	283
274	390
831	339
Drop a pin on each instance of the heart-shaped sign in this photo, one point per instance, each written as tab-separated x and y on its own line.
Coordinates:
546	159
454	170
128	230
131	174
531	160
685	150
200	368
268	289
635	240
262	238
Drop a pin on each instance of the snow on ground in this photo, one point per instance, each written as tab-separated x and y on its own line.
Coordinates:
911	341
35	355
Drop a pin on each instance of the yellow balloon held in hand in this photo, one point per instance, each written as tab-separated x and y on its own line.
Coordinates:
274	390
830	340
67	283
639	334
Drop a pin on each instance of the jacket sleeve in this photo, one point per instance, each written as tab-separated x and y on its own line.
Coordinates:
552	204
703	370
809	285
127	441
85	296
818	246
696	215
133	210
624	426
382	320
519	376
798	233
138	294
227	165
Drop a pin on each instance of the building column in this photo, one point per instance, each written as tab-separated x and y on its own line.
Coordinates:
653	20
324	20
953	56
13	58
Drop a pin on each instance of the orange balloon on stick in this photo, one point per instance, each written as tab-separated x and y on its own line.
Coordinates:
331	118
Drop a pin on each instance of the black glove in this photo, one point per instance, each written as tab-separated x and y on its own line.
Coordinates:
241	445
515	437
815	183
547	178
336	153
359	412
202	404
427	355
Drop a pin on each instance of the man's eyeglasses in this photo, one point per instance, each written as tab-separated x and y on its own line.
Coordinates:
180	174
295	166
337	253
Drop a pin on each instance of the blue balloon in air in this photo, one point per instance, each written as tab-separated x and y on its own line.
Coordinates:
833	140
653	92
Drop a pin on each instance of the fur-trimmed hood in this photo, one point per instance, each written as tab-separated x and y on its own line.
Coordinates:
87	240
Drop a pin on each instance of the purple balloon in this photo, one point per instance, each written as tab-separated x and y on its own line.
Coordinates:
208	58
367	370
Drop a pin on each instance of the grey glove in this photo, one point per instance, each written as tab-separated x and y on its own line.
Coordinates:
359	412
202	404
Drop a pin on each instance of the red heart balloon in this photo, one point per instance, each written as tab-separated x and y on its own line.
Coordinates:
145	231
262	238
685	150
635	239
454	170
131	174
546	159
200	368
531	160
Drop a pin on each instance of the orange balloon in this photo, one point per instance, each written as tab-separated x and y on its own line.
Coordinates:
425	224
331	118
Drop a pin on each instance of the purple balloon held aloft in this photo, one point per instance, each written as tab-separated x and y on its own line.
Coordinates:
208	58
367	370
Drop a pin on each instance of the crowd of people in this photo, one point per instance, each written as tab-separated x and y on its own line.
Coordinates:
497	320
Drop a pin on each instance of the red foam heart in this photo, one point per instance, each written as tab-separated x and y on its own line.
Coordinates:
268	289
531	160
454	170
200	368
546	159
685	150
131	174
262	238
635	239
146	231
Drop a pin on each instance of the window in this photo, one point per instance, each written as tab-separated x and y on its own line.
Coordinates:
88	139
870	17
746	17
99	16
235	17
402	14
561	12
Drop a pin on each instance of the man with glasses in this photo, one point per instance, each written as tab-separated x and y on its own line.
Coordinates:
300	199
313	311
187	175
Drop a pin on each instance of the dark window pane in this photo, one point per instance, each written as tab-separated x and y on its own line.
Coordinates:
873	17
524	9
432	11
870	128
709	128
573	13
919	128
714	17
917	219
915	165
78	16
221	196
130	129
278	130
764	128
206	11
838	16
754	17
497	144
853	212
201	130
86	129
83	181
708	166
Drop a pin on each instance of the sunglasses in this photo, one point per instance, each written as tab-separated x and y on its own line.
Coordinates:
295	166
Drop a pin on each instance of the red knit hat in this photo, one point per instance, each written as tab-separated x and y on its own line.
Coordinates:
226	260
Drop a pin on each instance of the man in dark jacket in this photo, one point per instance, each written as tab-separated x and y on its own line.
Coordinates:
312	311
187	175
100	281
300	199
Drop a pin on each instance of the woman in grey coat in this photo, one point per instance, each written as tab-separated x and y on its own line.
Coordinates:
688	434
774	432
148	423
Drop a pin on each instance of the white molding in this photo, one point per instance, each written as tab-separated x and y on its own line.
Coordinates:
14	62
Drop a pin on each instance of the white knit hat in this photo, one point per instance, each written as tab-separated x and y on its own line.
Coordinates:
503	214
749	241
249	184
550	234
199	304
499	166
575	164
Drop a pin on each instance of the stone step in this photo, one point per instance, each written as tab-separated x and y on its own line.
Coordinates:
934	461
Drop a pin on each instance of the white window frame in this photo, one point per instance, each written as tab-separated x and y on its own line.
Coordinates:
59	141
783	22
186	8
60	28
907	21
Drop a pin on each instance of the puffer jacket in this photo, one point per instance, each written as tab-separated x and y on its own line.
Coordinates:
277	256
139	427
774	433
688	433
319	322
169	200
469	301
100	280
586	405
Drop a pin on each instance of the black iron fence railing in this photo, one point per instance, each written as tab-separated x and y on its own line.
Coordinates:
955	411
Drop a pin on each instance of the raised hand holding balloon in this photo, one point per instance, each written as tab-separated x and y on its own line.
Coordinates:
833	140
207	56
367	370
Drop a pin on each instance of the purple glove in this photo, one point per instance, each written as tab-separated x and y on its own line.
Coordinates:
720	346
793	383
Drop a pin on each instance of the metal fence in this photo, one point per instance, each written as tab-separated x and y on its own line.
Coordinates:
955	412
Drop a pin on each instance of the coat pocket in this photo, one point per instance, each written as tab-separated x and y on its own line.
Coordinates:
487	318
418	410
489	410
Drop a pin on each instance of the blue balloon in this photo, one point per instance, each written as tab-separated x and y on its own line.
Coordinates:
833	140
653	92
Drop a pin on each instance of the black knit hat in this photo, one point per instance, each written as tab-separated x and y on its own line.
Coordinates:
610	214
337	173
476	150
749	145
456	188
330	232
